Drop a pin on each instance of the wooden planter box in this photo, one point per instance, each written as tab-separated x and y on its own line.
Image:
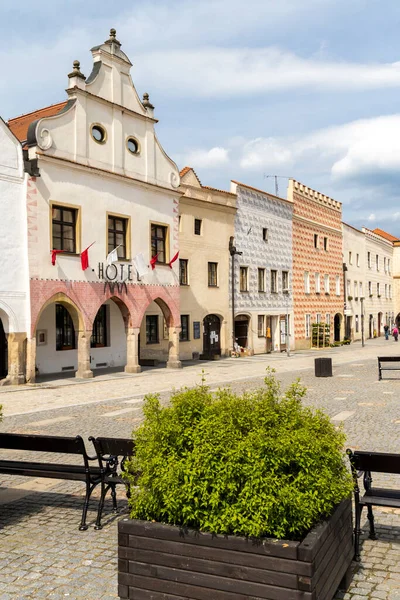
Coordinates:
163	562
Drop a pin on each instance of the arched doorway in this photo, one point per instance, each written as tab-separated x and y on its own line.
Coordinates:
380	315
160	335
242	330
3	352
336	326
108	344
211	336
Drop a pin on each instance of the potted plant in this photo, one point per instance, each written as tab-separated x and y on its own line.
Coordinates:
349	298
243	495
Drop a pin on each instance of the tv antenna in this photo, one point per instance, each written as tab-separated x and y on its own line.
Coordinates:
276	177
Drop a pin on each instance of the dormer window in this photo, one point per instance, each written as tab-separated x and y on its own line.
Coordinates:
99	134
132	145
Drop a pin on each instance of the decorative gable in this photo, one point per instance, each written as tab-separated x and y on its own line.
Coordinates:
104	123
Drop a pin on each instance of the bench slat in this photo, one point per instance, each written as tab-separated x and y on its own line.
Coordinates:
380	501
42	443
378	462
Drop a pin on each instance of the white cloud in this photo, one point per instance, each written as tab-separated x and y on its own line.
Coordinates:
216	71
367	147
372	218
213	158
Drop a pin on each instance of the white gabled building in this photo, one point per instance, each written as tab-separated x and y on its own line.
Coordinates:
97	174
14	317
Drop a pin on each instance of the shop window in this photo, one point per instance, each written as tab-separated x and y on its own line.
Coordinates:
183	271
212	274
117	235
184	333
152	329
65	332
159	242
99	337
64	225
261	326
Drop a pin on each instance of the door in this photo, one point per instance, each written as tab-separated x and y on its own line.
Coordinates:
269	334
337	328
211	336
379	324
3	352
283	332
241	330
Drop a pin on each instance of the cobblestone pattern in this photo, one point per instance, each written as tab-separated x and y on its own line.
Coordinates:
45	556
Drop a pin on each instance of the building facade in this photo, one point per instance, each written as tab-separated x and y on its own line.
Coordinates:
207	221
317	263
102	208
354	260
379	303
14	320
262	291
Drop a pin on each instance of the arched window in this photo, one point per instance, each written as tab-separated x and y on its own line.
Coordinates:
65	332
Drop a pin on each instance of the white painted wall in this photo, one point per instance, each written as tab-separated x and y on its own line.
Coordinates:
354	243
49	360
373	305
14	273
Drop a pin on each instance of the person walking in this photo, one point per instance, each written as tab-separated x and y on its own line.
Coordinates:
395	333
386	330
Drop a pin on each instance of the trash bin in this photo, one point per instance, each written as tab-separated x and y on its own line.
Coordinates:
323	367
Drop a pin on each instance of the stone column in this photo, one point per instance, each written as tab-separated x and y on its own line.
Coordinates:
173	352
224	344
84	371
16	358
31	360
132	350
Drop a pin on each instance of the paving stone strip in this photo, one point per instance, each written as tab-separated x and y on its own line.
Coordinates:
42	553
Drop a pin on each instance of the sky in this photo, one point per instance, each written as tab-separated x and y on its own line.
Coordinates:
308	89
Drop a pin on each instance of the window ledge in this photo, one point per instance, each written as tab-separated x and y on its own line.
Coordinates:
213	286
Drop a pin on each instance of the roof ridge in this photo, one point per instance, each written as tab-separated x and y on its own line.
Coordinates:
37	110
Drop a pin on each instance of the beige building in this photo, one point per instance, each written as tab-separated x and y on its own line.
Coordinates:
207	219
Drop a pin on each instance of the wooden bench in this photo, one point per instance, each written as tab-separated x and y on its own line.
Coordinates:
390	360
112	454
367	463
91	476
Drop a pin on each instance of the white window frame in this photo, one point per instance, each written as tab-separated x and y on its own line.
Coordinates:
307	325
358	260
328	318
326	284
317	283
350	258
306	282
318	317
337	285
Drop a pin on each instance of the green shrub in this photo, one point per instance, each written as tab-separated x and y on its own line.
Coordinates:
257	464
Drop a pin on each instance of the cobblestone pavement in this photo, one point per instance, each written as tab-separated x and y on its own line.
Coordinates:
42	553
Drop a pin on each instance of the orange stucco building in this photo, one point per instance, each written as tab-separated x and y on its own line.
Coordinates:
317	263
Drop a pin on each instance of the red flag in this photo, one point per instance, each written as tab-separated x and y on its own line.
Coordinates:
85	258
153	262
54	255
173	260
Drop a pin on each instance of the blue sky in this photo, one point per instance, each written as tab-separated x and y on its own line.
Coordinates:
308	89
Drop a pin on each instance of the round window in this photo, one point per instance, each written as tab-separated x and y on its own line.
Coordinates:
132	145
98	134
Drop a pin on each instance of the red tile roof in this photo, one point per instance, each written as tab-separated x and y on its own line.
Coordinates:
387	236
19	125
185	170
